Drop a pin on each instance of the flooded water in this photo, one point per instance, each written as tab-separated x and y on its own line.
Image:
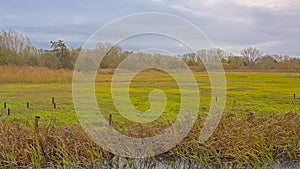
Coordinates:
158	163
123	163
284	164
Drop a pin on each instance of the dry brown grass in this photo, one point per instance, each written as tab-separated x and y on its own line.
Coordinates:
244	141
54	146
25	74
106	71
250	140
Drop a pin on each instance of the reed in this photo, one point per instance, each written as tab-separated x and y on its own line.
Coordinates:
241	142
26	74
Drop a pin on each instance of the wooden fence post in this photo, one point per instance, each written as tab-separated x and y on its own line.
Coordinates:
8	111
36	123
110	119
36	133
294	99
27	105
4	105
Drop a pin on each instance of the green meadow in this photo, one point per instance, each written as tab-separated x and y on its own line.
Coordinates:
260	122
260	93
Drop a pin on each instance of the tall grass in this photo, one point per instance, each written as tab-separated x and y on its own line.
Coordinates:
246	141
55	146
242	141
26	74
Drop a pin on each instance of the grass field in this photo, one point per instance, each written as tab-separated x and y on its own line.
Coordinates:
260	121
259	93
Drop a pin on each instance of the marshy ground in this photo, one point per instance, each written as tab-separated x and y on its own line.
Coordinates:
261	122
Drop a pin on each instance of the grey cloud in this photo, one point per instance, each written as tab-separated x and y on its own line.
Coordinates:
227	24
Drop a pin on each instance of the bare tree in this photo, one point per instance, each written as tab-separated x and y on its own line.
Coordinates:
15	48
251	54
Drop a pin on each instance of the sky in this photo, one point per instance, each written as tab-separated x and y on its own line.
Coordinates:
272	26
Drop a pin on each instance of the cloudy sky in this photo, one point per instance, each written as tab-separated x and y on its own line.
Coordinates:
272	26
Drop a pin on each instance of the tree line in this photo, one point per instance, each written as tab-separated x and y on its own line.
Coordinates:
16	49
249	58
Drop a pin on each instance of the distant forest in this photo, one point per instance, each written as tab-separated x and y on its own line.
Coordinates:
17	50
